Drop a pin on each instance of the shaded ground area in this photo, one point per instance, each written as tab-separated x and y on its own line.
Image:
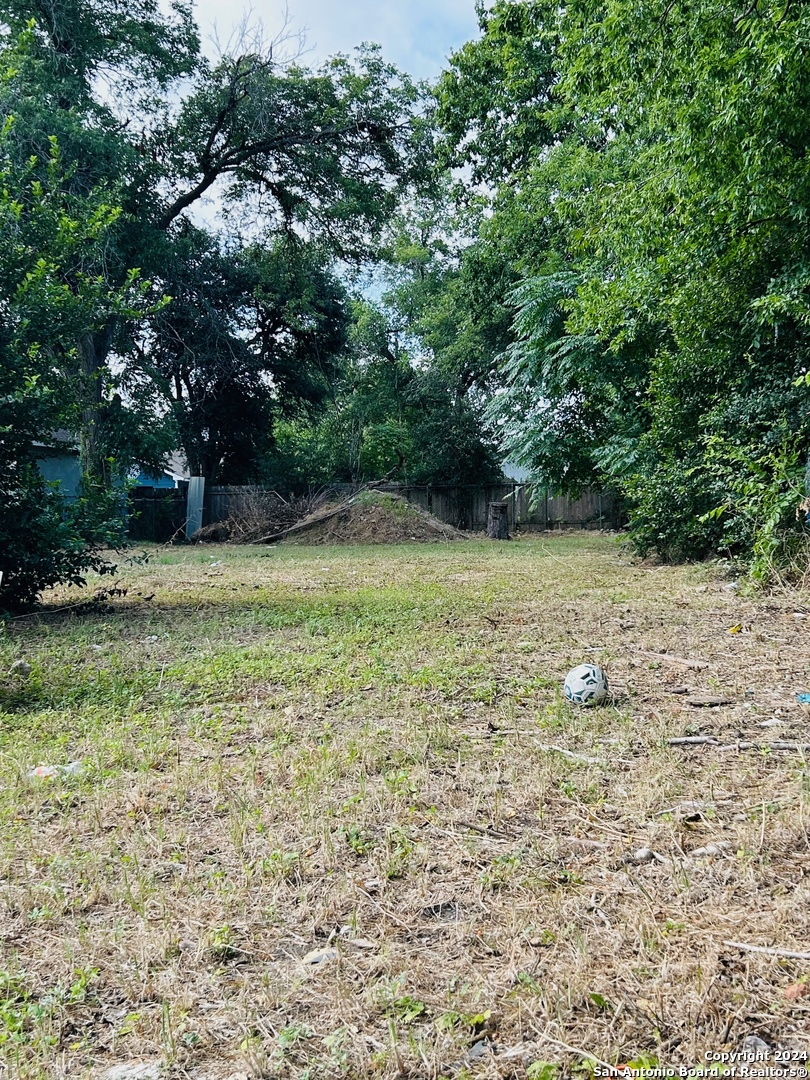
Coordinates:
334	818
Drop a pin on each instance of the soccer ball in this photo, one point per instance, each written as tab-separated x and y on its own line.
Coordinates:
586	685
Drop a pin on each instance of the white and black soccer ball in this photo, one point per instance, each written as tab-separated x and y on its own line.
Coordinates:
586	685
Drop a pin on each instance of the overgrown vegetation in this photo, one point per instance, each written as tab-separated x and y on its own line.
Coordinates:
614	295
52	291
649	167
333	818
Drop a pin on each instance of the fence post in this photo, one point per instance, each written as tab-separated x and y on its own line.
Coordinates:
194	505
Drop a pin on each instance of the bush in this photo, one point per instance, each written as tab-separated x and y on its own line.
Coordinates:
723	497
46	540
670	500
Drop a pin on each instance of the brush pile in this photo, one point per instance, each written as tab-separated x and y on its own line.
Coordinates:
256	514
368	517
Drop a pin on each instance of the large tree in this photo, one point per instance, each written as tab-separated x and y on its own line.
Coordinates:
409	398
253	334
286	150
699	228
661	322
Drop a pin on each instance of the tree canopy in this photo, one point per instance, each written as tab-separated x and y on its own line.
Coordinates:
588	251
132	101
660	313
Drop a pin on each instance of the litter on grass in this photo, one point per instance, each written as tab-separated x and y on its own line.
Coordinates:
48	772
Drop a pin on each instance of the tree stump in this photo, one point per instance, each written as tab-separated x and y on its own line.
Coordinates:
498	521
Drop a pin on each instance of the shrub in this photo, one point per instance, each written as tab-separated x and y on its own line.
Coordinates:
46	540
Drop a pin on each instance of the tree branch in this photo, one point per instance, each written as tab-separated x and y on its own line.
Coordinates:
750	11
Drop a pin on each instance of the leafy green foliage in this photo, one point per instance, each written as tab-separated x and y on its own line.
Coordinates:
543	1070
386	415
660	342
407	398
51	244
78	43
252	335
324	149
292	152
493	101
584	428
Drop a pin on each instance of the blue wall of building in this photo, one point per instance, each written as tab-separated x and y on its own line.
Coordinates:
63	469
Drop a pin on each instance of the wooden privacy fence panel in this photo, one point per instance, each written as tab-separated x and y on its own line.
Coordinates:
530	506
156	514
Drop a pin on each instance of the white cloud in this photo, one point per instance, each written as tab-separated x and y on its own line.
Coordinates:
417	36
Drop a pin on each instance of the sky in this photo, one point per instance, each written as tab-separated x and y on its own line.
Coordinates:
416	35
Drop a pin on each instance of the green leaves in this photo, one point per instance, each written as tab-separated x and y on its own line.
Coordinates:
53	292
661	235
324	151
493	103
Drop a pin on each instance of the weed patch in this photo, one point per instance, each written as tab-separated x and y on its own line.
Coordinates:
362	756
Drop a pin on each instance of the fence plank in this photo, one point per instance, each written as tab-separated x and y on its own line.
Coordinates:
156	514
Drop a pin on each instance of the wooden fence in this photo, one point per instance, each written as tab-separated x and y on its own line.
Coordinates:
158	514
531	507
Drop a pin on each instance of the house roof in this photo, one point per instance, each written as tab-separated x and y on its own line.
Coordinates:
62	440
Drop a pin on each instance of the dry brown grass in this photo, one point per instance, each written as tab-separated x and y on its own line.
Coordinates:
353	750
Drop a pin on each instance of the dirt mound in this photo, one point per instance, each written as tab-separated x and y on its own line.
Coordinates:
217	533
372	517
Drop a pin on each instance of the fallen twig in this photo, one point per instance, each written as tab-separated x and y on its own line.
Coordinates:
709	702
47	611
82	607
779	745
743	744
176	533
493	833
679	661
570	754
693	740
768	950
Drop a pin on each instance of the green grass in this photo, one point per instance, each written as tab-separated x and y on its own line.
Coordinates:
357	749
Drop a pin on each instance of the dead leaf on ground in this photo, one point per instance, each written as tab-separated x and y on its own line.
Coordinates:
796	991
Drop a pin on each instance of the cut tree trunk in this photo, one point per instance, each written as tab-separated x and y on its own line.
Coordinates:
498	521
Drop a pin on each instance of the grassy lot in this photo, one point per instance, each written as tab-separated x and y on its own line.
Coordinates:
360	757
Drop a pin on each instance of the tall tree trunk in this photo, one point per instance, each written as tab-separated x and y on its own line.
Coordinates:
93	350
